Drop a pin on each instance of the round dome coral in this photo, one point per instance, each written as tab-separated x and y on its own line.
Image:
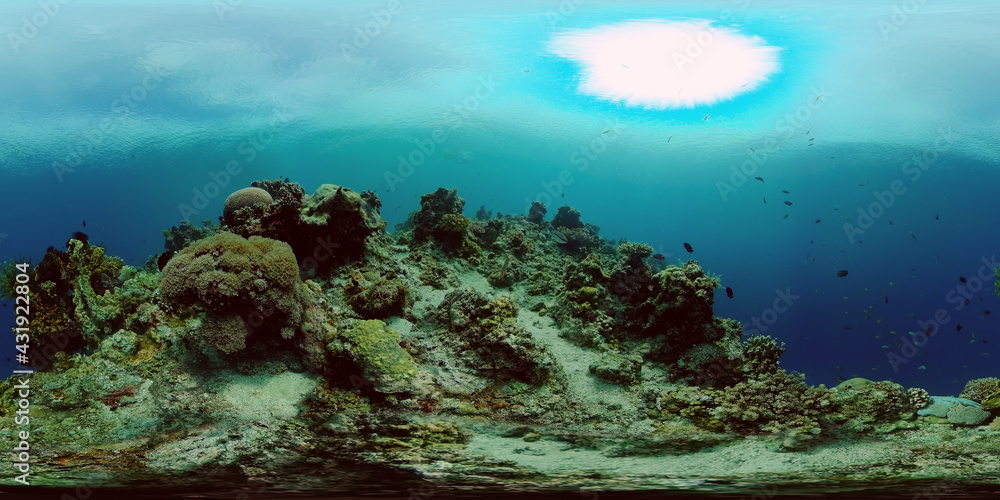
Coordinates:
246	197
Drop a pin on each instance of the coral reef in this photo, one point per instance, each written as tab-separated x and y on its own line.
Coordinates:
299	340
489	328
865	403
185	233
536	212
245	204
777	403
985	391
376	351
241	285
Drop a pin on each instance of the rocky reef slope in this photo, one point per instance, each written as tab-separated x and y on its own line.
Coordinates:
297	336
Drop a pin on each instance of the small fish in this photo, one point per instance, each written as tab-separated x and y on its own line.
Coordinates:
818	98
765	199
921	367
786	192
958	327
913	236
846	327
84	223
886	299
810	130
890	222
966	301
557	237
527	71
659	256
761	179
752	150
688	247
812	139
706	117
937	217
563	195
817	221
842	273
788	203
606	131
785	217
729	292
986	312
962	279
668	139
929	331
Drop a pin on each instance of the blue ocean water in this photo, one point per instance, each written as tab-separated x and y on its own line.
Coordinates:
132	116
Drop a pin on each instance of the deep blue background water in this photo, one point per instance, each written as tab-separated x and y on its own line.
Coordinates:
277	77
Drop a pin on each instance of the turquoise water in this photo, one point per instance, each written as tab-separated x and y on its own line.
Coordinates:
127	116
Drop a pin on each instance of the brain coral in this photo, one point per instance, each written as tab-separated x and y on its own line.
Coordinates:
243	286
246	197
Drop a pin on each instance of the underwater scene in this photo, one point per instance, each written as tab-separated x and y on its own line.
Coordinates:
552	248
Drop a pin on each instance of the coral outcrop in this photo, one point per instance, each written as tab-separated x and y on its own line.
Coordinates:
241	286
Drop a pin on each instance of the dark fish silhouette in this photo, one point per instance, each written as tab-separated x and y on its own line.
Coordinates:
729	292
958	327
937	217
659	256
962	279
966	301
687	247
765	199
913	236
84	223
817	221
842	273
761	179
785	217
886	299
986	312
788	203
786	192
890	222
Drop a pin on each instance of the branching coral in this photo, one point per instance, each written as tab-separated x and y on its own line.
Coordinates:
777	402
